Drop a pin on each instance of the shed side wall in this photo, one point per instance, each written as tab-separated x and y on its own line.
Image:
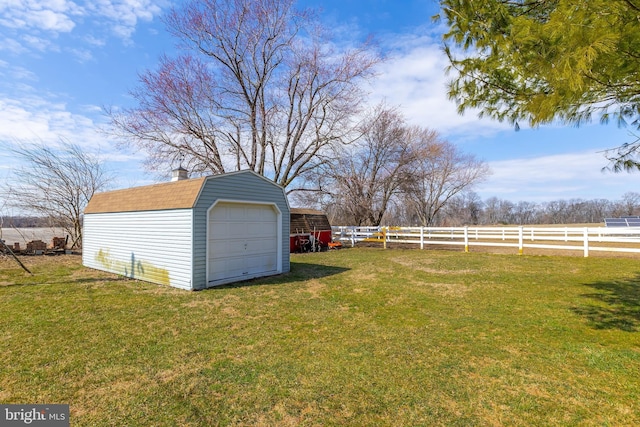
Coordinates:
242	187
154	246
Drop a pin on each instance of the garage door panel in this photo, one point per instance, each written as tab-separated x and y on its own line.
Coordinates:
229	229
262	231
260	246
221	213
238	230
269	261
243	214
258	213
232	230
252	214
263	261
251	229
223	232
242	266
243	241
230	267
228	248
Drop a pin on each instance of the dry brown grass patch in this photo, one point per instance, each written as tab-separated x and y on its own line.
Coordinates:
314	288
419	265
447	289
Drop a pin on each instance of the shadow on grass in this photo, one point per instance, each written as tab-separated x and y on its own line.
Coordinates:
616	305
43	277
90	280
299	271
65	280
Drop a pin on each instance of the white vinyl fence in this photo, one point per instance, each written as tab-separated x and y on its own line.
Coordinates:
614	239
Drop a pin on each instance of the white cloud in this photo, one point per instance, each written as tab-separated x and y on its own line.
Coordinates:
12	45
40	44
36	24
41	119
545	169
414	78
562	176
82	55
49	15
124	15
95	41
34	118
10	72
31	118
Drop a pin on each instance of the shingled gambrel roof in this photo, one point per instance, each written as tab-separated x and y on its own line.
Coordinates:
308	220
169	195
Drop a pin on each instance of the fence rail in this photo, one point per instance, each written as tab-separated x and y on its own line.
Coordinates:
583	239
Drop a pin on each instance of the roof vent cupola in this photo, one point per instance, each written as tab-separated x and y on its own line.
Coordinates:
179	174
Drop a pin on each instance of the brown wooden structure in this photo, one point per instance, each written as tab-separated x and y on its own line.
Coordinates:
310	230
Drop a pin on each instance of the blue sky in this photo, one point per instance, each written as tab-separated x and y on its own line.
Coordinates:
63	61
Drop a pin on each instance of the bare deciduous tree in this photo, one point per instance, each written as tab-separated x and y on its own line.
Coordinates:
463	209
56	184
523	212
367	175
440	174
630	204
3	205
394	163
257	87
497	211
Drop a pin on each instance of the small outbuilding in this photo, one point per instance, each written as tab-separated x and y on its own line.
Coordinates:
307	226
190	233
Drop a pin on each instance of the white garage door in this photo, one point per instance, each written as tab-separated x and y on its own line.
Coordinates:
243	242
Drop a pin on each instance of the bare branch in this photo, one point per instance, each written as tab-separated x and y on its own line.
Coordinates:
257	87
56	183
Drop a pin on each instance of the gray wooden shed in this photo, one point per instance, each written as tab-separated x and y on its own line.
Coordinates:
190	233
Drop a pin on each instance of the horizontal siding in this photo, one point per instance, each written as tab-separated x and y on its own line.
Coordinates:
246	187
154	246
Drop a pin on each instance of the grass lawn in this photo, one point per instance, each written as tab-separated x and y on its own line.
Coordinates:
354	337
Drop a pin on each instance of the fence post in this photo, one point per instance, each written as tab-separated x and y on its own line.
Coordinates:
353	236
586	242
421	237
466	239
520	243
384	237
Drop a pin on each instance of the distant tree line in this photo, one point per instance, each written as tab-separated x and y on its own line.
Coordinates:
461	210
469	209
25	222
